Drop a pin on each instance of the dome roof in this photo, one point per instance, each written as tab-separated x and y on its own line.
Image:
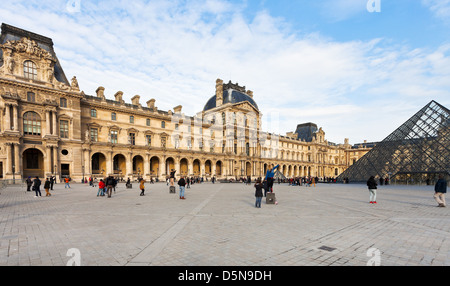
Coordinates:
233	97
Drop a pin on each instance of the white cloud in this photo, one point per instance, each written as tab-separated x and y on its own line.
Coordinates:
174	52
441	8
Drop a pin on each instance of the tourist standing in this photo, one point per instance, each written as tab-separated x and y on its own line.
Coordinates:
269	177
372	185
101	188
172	177
37	187
440	190
258	193
182	184
142	187
52	182
47	187
66	181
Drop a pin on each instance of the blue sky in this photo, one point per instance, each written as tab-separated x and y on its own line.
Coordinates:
359	75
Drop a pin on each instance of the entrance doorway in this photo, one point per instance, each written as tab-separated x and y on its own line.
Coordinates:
65	170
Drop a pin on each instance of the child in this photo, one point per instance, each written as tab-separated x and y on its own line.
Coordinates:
258	193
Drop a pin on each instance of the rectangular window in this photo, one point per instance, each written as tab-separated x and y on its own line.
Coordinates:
132	139
31	97
64	129
62	102
148	140
94	135
148	122
93	113
113	116
114	136
131	119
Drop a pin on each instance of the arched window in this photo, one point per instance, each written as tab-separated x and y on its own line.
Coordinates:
31	123
30	70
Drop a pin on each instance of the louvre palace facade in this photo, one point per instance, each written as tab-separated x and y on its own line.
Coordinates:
49	126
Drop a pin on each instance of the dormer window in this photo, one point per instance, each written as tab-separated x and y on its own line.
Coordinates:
30	70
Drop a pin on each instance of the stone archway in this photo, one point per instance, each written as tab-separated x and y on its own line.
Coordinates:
33	163
98	164
184	167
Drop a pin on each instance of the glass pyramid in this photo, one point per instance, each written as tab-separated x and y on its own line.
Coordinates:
416	152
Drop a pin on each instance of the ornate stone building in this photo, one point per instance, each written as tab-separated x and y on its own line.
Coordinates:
50	127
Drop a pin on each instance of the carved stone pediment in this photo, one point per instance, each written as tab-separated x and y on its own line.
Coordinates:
29	47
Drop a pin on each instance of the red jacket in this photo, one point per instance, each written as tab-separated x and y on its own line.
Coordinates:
101	185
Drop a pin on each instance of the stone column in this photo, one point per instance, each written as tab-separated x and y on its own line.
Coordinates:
48	161
17	157
47	122
147	166
55	160
15	118
7	118
109	164
191	167
55	125
129	165
202	168
9	158
87	162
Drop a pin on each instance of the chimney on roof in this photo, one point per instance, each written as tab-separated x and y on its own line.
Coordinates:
100	92
118	96
151	103
219	92
135	100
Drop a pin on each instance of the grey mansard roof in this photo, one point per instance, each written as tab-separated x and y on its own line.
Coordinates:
234	97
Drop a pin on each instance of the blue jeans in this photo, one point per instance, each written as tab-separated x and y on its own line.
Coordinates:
182	188
67	185
258	202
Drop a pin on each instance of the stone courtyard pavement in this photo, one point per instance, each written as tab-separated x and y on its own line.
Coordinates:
218	225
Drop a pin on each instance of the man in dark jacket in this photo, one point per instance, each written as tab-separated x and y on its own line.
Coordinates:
47	187
440	190
37	187
182	184
109	185
372	185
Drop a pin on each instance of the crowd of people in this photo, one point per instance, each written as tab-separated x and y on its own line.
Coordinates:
106	186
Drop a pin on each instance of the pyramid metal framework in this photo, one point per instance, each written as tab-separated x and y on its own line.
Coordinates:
417	151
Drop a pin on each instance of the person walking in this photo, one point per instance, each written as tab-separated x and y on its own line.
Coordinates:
372	185
47	187
142	187
29	184
258	193
109	185
440	190
182	184
101	188
37	187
